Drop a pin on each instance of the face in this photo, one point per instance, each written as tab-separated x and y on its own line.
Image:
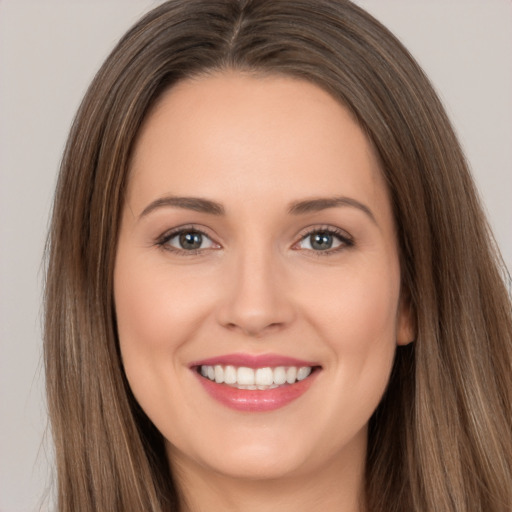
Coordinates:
257	282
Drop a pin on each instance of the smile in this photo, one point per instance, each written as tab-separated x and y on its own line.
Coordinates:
260	383
255	378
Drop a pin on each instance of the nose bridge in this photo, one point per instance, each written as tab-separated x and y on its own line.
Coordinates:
256	300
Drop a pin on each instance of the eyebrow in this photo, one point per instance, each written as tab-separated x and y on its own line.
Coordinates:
323	203
196	204
201	205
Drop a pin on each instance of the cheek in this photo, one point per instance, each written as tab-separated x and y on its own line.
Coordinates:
357	307
357	318
157	312
154	307
142	318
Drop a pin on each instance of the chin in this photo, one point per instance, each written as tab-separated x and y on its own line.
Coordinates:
270	460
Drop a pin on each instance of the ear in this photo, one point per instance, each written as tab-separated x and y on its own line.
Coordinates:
405	325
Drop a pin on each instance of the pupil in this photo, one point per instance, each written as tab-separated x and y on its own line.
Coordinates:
191	240
321	241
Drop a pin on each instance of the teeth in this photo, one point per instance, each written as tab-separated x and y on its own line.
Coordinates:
219	374
264	377
303	372
260	378
279	375
245	376
291	374
229	374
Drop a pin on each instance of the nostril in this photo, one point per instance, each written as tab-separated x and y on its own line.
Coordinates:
254	325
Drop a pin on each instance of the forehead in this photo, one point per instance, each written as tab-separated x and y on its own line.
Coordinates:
232	135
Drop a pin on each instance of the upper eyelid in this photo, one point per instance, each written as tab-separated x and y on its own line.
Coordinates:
180	229
325	228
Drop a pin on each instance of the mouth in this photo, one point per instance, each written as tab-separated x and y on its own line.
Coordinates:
256	383
260	379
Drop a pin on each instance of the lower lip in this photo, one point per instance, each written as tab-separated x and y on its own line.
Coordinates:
249	400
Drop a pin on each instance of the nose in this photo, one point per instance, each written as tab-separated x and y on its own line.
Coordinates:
256	301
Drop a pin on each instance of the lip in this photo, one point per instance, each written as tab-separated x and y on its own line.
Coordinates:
253	361
248	400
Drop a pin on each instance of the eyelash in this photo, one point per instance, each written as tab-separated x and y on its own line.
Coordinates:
163	240
343	237
345	240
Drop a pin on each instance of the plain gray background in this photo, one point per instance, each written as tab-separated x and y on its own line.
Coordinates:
49	51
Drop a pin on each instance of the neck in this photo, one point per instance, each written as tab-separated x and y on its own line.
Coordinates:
337	486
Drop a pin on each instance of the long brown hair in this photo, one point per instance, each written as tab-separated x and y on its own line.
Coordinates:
441	438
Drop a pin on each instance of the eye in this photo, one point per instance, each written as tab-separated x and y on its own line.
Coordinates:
325	240
187	240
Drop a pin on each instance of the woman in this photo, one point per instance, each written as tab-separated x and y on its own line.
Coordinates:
269	193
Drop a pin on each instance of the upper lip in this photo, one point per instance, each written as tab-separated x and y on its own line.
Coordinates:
253	361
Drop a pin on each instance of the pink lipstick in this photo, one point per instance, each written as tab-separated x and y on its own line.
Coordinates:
255	383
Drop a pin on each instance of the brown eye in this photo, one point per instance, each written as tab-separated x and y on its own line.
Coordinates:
190	241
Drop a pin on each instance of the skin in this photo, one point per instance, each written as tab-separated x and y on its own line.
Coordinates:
257	145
